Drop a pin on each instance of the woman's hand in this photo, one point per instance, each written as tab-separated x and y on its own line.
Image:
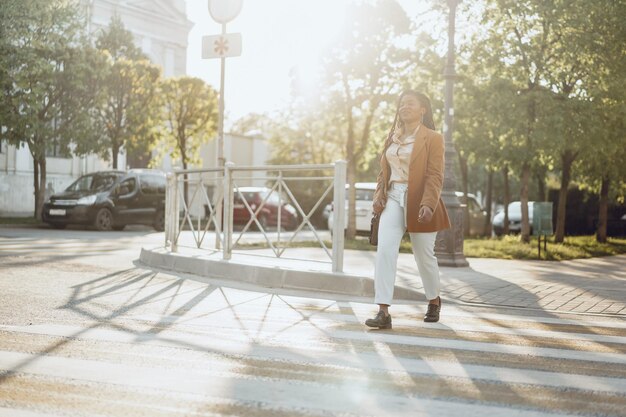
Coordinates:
425	214
378	206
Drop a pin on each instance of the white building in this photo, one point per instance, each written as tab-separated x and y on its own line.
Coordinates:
249	149
243	150
161	29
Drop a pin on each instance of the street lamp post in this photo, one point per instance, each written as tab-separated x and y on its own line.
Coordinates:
449	243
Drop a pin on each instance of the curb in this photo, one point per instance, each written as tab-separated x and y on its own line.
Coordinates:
271	277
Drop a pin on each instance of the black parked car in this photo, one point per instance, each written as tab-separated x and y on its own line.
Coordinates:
109	200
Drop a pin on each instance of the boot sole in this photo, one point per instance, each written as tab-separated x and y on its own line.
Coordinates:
388	326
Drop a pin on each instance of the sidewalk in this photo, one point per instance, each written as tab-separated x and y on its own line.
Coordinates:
593	286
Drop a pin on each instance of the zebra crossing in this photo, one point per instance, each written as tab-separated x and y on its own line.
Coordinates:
132	344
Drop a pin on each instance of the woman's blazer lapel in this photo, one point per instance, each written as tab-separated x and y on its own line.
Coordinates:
420	142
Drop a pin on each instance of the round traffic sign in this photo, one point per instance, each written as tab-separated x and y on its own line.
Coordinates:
223	11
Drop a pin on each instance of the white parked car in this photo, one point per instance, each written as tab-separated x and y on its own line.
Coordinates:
515	218
364	200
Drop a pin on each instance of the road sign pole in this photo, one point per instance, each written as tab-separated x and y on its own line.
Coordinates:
221	160
222	11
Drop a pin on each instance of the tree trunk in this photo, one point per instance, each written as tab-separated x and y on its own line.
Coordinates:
351	177
525	232
115	151
507	199
524	202
567	159
464	175
186	185
603	209
42	186
39	183
182	148
488	203
35	186
541	185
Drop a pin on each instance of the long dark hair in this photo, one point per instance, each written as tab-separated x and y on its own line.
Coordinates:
428	116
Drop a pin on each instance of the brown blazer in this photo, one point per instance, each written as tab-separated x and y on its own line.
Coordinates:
425	182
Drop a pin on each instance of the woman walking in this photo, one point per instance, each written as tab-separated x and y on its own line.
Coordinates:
407	195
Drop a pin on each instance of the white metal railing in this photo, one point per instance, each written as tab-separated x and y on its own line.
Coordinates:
180	206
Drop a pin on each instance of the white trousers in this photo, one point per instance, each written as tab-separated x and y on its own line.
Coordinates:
391	228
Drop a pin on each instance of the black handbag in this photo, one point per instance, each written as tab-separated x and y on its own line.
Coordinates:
374	229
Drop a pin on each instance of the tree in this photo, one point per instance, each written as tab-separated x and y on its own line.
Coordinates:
126	113
526	42
363	70
603	169
307	133
487	121
262	123
46	76
189	110
571	122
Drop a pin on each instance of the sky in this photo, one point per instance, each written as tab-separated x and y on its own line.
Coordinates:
277	36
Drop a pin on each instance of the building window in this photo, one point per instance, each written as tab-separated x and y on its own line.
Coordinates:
54	149
3	146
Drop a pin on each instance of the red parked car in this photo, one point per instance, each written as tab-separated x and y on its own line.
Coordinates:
268	216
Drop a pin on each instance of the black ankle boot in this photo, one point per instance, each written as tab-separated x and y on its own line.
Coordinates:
381	321
433	312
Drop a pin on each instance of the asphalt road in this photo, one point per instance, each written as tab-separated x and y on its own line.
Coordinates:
84	332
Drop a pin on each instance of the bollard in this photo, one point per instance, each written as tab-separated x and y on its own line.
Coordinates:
339	214
228	210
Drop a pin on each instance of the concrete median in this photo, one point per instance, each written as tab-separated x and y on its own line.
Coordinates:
260	272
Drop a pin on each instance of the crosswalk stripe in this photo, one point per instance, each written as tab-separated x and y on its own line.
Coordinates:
25	342
485	327
617	358
305	350
585	353
15	412
282	392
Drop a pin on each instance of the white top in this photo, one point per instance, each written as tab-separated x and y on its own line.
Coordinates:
399	154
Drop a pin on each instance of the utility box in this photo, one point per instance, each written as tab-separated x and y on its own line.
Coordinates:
542	218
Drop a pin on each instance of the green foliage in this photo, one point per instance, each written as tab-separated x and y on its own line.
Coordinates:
573	247
45	77
189	110
118	41
126	112
44	71
363	70
542	89
363	73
